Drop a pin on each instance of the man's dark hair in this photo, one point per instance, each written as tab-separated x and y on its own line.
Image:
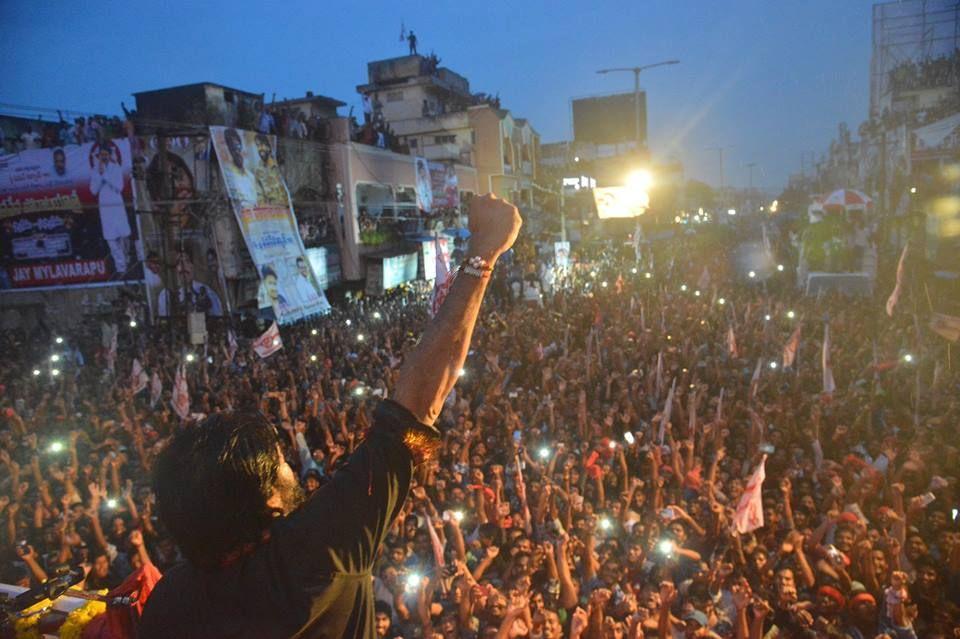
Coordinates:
213	481
267	271
232	135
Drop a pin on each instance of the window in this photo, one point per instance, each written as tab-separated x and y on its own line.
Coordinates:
444	139
412	142
394	96
473	136
228	96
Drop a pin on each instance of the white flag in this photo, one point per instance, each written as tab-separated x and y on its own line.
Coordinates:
755	380
731	342
829	386
667	410
790	348
138	377
898	287
156	389
720	405
231	345
268	343
749	515
112	349
181	394
704	282
659	373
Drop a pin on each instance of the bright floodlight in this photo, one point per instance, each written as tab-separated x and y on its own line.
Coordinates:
358	391
461	372
780	267
665	547
722	301
634	270
376	315
36	372
648	275
313	358
133	323
209	359
640	181
276	341
605	524
913	189
313	331
908	358
791	314
604	284
731	211
628	436
683	287
111	503
56	447
55	372
752	274
612	445
697	293
458	515
349	322
413	581
59	340
576	158
360	337
773	365
767	317
54	358
544	453
190	357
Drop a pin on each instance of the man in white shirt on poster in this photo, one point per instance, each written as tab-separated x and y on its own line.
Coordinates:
106	182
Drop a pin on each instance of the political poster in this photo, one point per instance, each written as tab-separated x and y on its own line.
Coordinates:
182	265
561	254
438	188
620	202
66	218
288	290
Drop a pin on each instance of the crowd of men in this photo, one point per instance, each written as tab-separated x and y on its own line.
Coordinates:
567	499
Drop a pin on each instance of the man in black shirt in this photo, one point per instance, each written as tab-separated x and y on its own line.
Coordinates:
261	565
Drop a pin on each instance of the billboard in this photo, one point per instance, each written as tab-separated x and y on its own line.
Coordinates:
288	290
437	186
609	119
620	201
183	270
65	217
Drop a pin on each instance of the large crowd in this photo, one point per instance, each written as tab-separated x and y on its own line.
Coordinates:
564	502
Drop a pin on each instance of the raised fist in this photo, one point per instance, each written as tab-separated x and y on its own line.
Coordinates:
494	225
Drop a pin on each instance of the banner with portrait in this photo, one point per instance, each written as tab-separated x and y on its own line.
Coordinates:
619	202
437	186
66	217
182	265
288	290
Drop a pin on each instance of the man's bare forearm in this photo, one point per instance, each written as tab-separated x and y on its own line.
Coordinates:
431	370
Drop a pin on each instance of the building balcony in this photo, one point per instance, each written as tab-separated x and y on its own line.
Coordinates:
446	151
526	167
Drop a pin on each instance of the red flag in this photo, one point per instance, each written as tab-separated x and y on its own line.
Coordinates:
181	394
442	283
898	287
731	342
791	347
268	343
138	377
829	386
120	621
749	515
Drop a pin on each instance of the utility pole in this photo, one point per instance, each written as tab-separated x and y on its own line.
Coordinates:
750	166
636	90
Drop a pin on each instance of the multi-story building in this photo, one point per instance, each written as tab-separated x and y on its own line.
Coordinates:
201	103
433	113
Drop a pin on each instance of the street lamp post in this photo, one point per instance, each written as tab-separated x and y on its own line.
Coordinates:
636	89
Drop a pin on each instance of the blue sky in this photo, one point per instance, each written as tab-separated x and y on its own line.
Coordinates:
769	79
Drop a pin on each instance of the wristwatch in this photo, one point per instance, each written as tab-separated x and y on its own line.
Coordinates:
476	266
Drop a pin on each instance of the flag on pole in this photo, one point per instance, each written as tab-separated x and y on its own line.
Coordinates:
268	343
704	282
829	386
156	389
720	405
138	377
231	345
659	373
731	342
181	394
403	31
791	347
442	283
749	514
667	410
755	380
898	287
112	349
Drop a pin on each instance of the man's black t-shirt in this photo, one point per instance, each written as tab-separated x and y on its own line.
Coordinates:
313	577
